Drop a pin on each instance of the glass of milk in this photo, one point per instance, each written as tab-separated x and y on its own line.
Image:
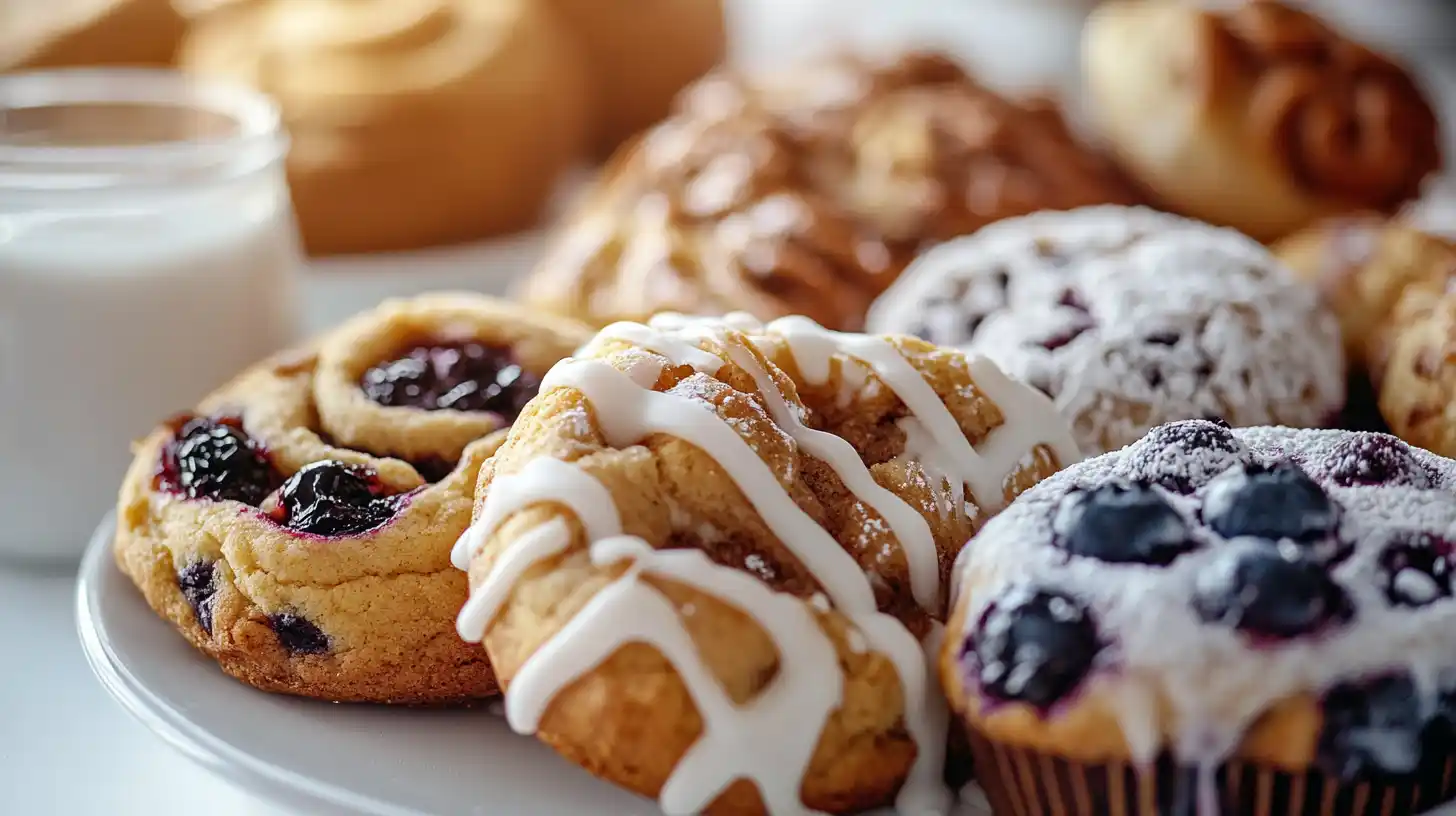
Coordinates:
147	254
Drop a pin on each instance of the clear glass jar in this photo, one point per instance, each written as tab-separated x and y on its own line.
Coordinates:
147	254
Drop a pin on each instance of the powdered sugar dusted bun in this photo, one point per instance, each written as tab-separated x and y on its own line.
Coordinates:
709	562
1129	318
1225	611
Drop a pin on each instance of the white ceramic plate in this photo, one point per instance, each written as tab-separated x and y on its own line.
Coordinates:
316	757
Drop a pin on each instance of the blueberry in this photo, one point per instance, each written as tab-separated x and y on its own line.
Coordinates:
1416	569
461	377
199	587
1259	590
1275	503
215	459
1183	456
1034	646
298	635
1067	334
1372	727
330	498
1374	459
1122	524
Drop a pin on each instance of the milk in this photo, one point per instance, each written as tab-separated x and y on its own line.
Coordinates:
120	305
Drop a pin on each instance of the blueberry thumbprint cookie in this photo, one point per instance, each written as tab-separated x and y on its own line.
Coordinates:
1216	621
1129	318
709	560
297	527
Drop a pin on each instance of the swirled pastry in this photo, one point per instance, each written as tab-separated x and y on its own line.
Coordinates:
414	122
806	193
1258	117
297	526
706	559
639	57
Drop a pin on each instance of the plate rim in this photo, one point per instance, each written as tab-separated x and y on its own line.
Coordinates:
254	776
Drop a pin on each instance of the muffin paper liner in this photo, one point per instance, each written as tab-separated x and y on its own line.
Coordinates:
1025	782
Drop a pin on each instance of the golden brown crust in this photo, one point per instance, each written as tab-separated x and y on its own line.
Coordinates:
631	718
1363	265
1417	382
112	32
808	193
489	93
637	60
385	600
1257	116
1346	122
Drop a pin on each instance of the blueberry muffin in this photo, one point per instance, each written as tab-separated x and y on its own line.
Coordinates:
708	560
1253	621
1255	115
807	192
1129	318
297	526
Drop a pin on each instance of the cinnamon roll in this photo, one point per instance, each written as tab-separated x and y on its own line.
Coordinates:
414	122
98	32
808	192
1259	117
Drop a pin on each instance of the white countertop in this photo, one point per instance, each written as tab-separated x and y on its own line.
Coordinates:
65	748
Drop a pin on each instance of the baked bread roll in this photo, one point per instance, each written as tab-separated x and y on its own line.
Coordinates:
638	57
414	122
807	192
1258	117
63	33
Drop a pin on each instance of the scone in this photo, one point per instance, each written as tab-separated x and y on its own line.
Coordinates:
1388	282
639	56
807	192
413	123
707	560
297	527
1255	115
71	33
1255	622
1129	318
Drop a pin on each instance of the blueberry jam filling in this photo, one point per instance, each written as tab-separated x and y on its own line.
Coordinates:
1261	591
1033	646
1375	727
1279	503
459	377
298	635
1375	459
1183	456
331	498
1122	524
199	587
214	458
1417	570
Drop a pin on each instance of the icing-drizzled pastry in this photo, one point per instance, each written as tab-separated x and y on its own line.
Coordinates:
297	527
708	559
69	33
807	192
1208	622
1129	318
1256	116
414	122
639	57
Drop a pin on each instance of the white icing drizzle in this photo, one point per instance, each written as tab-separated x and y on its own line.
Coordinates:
788	716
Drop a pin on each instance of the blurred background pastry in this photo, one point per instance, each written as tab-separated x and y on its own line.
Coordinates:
51	33
807	191
639	56
414	122
1258	115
